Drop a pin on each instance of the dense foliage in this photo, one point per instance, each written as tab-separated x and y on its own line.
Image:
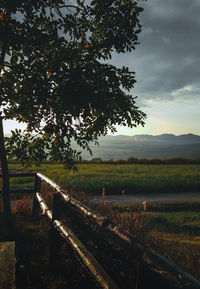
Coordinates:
56	76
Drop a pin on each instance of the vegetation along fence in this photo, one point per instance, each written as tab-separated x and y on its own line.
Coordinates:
113	257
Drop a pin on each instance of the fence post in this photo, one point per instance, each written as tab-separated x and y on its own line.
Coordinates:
55	241
56	210
37	184
37	188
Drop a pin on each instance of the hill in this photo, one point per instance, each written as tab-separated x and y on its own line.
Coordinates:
145	146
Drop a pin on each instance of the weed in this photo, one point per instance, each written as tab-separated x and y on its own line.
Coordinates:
23	206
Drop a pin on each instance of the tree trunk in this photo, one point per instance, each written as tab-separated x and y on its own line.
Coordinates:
5	184
3	158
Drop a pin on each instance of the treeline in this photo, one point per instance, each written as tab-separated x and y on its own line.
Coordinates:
144	161
131	160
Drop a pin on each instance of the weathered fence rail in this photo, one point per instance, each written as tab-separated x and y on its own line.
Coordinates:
113	257
21	175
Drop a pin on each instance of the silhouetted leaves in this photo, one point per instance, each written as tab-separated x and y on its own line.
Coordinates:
58	78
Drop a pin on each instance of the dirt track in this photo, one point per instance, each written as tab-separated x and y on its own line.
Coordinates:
176	197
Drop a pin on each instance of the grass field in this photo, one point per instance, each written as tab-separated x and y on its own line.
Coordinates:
115	178
171	229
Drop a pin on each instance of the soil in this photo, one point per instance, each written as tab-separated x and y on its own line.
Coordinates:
139	198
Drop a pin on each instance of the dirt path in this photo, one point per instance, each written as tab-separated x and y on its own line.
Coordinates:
176	197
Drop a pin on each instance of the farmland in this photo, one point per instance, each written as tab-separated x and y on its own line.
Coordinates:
133	179
171	229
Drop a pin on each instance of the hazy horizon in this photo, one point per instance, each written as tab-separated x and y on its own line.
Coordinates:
11	125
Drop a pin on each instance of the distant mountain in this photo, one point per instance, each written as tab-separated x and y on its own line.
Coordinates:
146	146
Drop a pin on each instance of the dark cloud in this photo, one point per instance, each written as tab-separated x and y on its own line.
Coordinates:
168	57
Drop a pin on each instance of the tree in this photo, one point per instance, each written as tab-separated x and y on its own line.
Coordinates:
56	76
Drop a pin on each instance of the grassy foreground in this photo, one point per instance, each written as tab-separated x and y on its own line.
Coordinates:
34	269
132	178
169	230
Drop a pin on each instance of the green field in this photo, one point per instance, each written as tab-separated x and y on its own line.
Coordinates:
131	178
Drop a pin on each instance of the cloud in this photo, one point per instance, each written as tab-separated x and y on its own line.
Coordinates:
187	93
167	61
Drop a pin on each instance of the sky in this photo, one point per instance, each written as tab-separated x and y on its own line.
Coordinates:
167	66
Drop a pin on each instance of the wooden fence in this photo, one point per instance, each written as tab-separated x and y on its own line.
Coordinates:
113	257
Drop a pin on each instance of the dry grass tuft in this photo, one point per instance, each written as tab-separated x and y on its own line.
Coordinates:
23	206
47	193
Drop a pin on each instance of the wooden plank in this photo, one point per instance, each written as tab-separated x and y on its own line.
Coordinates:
21	191
7	265
155	262
18	175
87	259
45	210
49	182
79	206
84	210
37	184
